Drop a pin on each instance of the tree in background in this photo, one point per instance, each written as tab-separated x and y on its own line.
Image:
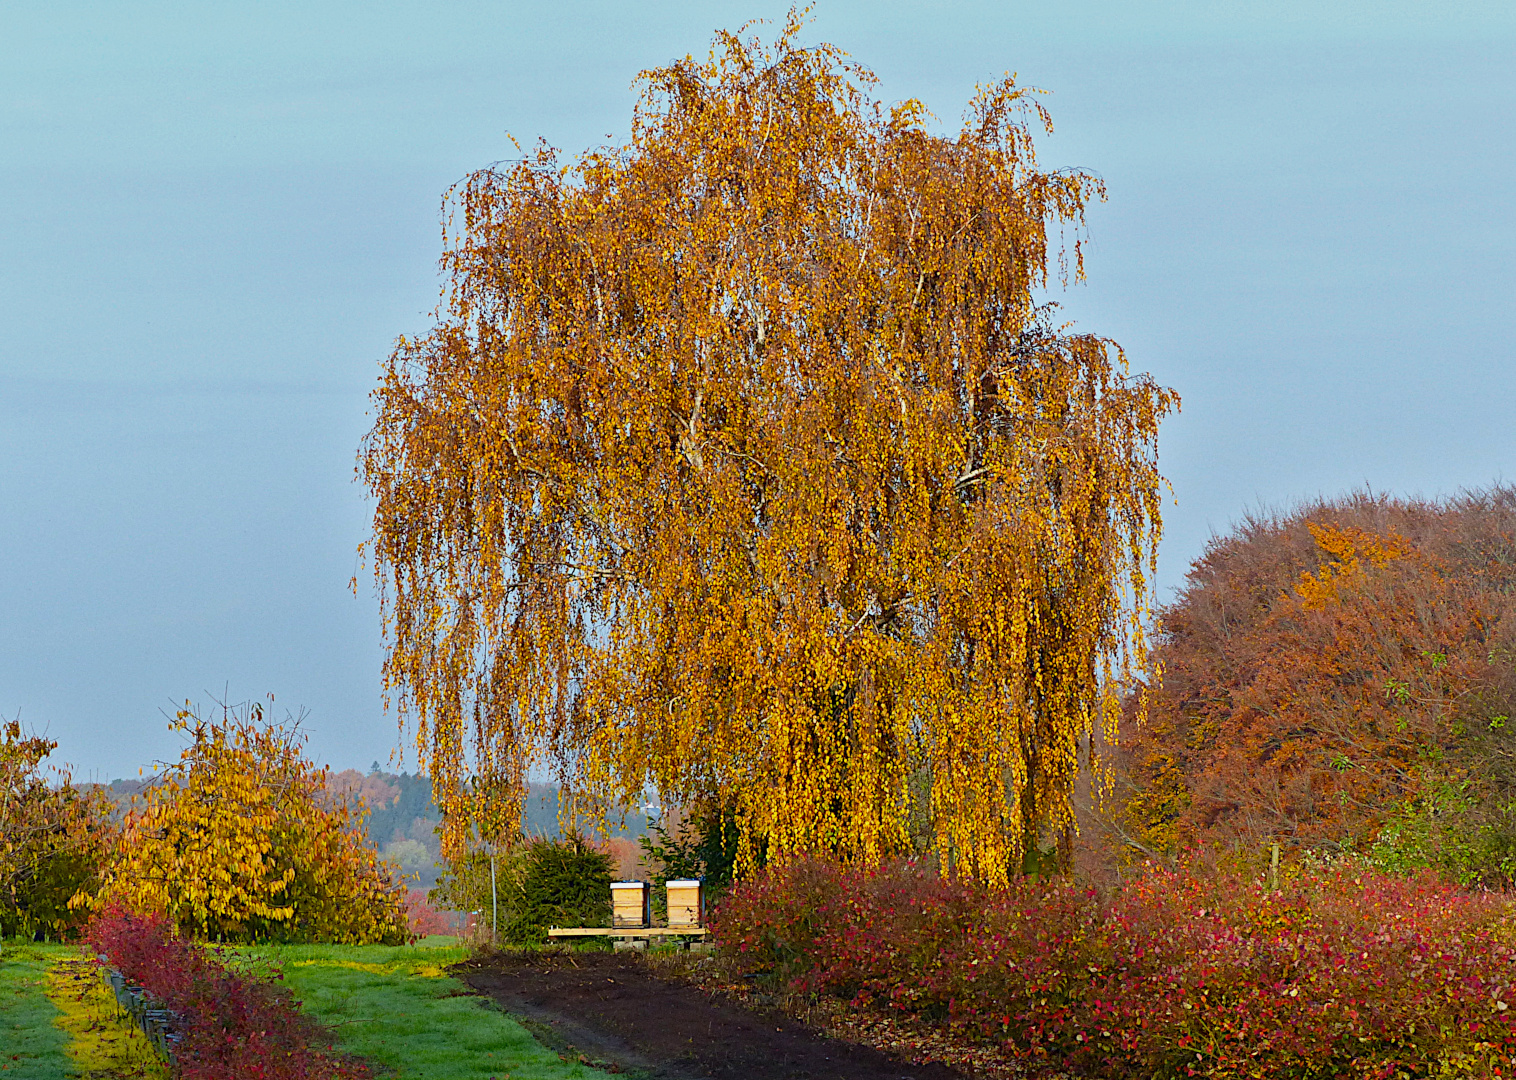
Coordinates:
1341	678
53	838
239	841
538	883
741	465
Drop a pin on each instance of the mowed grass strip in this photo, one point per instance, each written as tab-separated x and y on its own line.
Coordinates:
102	1042
397	1007
32	1046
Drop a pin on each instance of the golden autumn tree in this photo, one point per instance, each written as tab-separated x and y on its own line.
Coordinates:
239	840
743	465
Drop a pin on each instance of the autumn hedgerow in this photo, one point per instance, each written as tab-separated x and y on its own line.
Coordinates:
1339	973
234	1026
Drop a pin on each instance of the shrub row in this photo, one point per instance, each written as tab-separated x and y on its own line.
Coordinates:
234	1026
1339	972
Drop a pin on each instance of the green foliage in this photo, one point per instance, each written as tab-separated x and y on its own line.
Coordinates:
555	883
705	847
539	883
1449	829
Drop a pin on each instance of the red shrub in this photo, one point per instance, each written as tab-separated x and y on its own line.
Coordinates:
424	918
234	1026
1338	973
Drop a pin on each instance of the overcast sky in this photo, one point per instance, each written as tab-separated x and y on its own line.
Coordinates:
214	219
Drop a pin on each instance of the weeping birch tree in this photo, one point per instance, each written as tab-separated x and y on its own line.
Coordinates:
741	464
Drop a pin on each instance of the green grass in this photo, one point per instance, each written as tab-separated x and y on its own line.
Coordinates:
32	1047
395	1006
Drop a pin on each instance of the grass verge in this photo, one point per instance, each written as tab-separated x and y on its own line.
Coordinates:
103	1045
58	1020
32	1046
397	1007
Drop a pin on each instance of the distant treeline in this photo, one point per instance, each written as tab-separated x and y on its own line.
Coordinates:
402	819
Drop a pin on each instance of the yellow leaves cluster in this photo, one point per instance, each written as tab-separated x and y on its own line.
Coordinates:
239	841
742	465
1352	550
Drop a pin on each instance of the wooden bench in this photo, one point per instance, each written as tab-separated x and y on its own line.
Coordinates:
631	918
627	931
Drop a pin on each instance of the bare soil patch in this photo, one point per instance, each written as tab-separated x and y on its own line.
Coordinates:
615	1009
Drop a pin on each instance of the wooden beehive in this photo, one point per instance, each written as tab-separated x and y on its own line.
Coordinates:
686	903
629	904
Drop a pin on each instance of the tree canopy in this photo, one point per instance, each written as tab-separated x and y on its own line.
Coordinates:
1341	677
53	837
239	839
742	464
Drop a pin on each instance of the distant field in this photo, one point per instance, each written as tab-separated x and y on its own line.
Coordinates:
396	1007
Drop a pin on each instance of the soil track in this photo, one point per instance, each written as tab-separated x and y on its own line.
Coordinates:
611	1007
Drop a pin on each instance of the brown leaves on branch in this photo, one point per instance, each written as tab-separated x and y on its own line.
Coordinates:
1324	669
741	465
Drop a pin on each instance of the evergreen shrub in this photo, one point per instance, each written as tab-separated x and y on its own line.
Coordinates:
555	883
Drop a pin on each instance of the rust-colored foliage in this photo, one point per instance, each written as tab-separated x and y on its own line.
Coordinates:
1323	669
53	837
741	465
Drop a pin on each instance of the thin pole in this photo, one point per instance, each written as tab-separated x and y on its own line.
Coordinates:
494	904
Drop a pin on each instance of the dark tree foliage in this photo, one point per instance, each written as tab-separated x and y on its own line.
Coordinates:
561	883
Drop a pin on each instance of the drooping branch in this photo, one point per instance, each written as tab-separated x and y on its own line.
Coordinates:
750	471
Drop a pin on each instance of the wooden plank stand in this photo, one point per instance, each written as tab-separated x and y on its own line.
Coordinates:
631	915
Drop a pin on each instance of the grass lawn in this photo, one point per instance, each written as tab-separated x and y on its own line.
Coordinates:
57	1020
395	1006
32	1047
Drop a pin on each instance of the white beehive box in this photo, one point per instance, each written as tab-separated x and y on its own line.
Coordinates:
629	904
686	904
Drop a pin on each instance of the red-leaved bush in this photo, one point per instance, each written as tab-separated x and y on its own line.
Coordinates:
235	1026
425	919
1339	972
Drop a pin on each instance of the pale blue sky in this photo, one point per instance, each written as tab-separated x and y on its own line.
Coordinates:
215	218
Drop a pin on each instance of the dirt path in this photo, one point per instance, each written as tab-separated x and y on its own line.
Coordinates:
610	1007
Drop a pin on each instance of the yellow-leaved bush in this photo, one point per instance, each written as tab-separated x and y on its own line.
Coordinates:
240	841
742	466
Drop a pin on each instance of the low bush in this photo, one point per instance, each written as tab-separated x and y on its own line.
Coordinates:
538	883
702	846
234	1026
1193	972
